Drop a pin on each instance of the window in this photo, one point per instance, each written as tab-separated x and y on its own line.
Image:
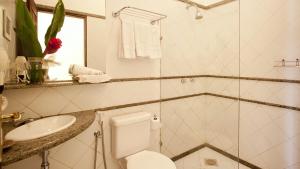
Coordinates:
72	51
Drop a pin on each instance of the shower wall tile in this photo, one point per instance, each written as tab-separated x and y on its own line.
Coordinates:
221	117
228	87
266	133
183	126
181	87
270	37
269	134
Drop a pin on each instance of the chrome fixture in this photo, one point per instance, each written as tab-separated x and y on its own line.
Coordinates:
287	63
142	13
99	134
45	163
198	14
13	117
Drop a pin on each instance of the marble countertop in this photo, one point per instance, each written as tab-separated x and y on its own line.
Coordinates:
25	149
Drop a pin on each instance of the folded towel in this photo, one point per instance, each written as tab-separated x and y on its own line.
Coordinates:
92	78
81	70
127	38
147	39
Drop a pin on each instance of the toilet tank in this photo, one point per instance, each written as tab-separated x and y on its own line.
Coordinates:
130	134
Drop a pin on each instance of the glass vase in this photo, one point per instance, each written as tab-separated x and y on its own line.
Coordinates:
36	73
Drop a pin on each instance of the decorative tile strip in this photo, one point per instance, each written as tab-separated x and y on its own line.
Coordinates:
147	102
196	95
256	101
233	157
224	153
191	151
255	78
12	85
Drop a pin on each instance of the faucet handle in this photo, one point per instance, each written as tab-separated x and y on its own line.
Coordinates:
16	116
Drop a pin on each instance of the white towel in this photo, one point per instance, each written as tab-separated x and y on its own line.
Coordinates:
82	70
147	39
93	78
127	50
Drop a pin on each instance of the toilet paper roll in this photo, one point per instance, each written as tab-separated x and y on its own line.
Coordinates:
155	123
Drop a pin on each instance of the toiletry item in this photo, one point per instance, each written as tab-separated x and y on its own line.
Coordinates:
22	67
4	103
81	70
4	66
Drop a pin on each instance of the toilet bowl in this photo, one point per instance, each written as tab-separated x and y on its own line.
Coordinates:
149	160
131	138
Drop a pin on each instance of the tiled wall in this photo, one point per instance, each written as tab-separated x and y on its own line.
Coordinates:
77	153
269	137
204	119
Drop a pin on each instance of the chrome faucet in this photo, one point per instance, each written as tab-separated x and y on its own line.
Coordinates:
12	117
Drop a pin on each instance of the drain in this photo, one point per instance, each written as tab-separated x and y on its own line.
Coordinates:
210	162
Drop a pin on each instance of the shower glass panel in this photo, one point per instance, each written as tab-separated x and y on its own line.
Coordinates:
200	88
270	105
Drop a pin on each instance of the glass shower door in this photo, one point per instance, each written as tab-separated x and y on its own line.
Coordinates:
270	88
200	86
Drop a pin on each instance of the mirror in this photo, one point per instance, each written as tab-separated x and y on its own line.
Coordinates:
82	19
73	47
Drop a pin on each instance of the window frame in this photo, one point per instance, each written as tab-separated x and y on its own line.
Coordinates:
71	14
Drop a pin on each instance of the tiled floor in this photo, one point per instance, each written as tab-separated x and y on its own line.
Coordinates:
196	161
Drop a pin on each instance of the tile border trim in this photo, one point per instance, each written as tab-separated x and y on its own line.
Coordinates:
10	85
224	153
196	95
255	101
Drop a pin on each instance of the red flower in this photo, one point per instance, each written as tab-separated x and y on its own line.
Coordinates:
53	45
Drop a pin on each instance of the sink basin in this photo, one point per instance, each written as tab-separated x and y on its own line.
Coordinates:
40	128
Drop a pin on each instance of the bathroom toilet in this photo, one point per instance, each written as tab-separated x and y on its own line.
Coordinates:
131	138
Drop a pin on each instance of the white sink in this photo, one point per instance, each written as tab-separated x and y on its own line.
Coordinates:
40	128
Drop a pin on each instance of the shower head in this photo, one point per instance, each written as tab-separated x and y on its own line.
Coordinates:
198	14
189	6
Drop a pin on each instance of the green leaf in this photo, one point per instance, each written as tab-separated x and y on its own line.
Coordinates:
26	32
57	21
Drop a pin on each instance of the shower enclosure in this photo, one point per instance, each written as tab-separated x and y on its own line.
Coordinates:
230	85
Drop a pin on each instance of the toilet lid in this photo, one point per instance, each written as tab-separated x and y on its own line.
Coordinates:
149	160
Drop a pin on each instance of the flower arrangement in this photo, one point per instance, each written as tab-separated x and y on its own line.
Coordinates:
27	38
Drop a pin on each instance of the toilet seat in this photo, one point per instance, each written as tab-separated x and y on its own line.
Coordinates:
149	160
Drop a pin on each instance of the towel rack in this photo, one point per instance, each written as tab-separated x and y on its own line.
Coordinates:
286	63
142	13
